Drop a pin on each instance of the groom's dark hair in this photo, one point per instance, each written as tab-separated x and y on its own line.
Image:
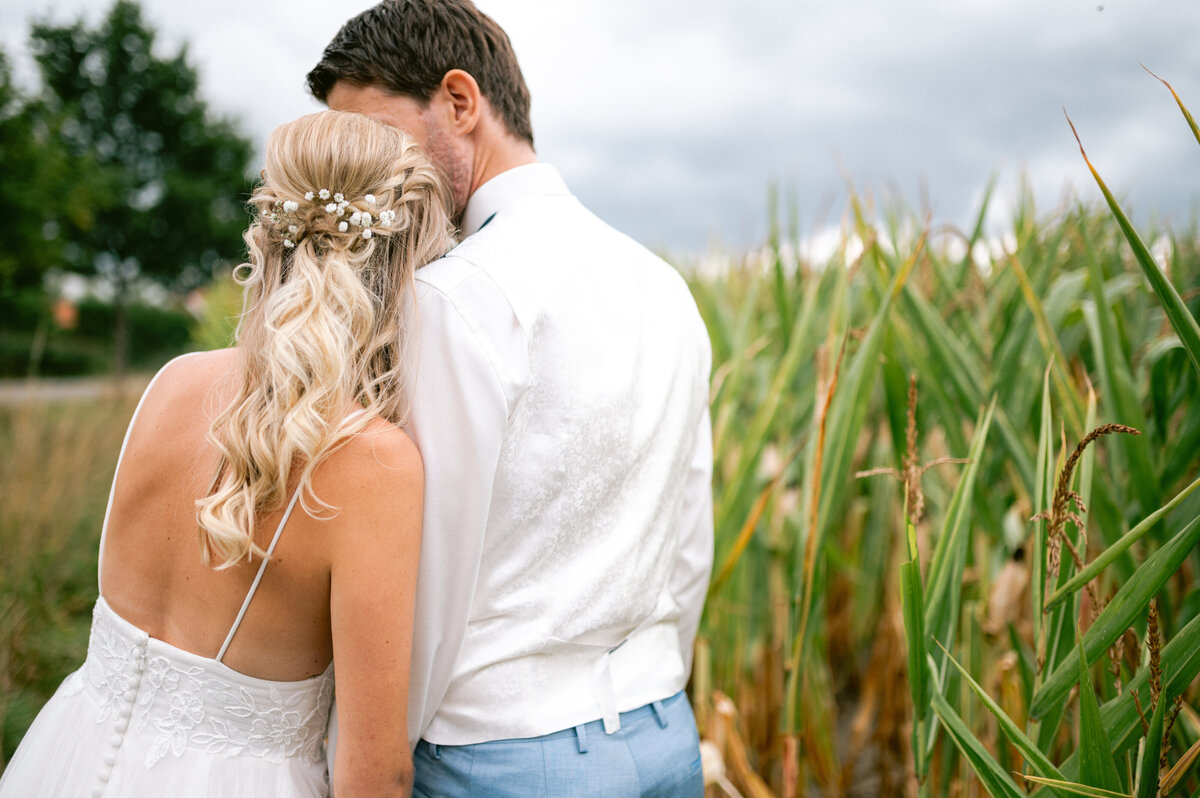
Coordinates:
407	46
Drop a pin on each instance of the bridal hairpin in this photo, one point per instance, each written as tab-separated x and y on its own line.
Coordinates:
287	212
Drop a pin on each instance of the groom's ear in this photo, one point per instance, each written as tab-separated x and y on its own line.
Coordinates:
463	101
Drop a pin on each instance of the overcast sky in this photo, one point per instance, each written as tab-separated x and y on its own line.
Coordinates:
671	118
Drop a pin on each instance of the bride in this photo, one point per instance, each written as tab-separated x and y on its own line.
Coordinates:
211	665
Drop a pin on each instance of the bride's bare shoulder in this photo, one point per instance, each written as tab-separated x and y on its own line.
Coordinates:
197	375
382	454
201	366
188	391
375	475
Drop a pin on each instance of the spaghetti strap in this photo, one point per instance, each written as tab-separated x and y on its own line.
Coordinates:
258	577
113	488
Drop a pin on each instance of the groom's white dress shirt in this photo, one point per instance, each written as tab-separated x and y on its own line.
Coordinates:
560	407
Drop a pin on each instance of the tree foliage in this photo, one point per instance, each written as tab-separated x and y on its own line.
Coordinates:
158	182
34	171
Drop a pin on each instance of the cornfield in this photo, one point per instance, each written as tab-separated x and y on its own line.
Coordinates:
955	508
956	511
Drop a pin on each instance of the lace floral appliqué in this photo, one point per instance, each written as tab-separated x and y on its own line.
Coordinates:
180	705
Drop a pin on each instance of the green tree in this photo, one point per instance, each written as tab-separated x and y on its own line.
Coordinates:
34	193
165	179
34	164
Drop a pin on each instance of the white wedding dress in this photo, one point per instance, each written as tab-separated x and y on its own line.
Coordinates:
144	718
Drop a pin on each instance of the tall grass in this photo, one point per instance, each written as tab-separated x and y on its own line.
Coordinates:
54	475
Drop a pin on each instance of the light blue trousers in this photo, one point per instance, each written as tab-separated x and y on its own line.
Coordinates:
656	752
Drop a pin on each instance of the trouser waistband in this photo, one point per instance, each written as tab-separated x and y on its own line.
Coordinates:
657	709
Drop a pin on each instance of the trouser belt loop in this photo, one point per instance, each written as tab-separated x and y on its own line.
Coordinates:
660	714
433	749
581	738
606	694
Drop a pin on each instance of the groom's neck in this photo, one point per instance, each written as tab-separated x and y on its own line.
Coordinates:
495	153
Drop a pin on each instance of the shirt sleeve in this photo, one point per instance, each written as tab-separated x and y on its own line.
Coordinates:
693	563
694	560
472	357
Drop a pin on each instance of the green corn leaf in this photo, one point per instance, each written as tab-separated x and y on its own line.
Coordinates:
1117	383
936	396
1087	463
1025	669
799	350
1061	625
1043	490
951	354
734	347
1052	347
993	777
1038	760
1187	115
846	416
1077	789
1181	660
780	279
843	423
950	360
944	580
912	604
1096	764
1181	663
1093	569
1147	774
1181	319
895	386
1119	615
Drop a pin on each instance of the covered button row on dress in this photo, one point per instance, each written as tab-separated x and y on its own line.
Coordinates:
124	713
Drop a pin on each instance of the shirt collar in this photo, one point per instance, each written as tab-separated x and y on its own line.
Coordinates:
509	187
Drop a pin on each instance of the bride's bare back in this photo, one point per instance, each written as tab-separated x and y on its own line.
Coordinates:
359	565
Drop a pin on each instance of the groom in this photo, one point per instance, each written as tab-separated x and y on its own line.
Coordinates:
560	407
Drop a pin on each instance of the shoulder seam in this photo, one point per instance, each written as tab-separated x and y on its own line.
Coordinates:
487	355
475	269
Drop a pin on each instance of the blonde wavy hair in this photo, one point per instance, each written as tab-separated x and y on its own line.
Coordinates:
326	324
